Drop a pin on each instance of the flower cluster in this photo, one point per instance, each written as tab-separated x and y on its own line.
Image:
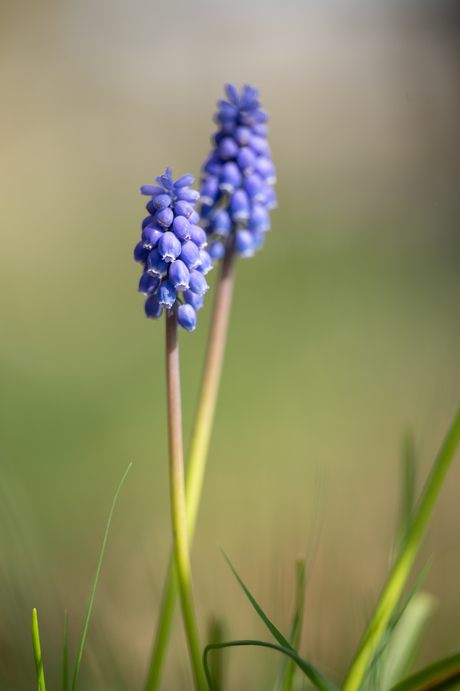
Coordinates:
238	176
171	250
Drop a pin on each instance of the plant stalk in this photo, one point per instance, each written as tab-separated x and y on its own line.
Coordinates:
394	587
201	436
178	510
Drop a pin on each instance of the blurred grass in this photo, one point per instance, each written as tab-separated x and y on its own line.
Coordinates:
344	329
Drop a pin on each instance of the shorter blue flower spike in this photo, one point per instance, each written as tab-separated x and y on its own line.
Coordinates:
151	236
169	247
206	263
216	250
190	255
191	298
165	217
244	243
141	253
199	237
187	195
179	275
148	284
156	264
184	181
166	295
186	316
162	201
182	228
153	309
198	283
169	250
151	190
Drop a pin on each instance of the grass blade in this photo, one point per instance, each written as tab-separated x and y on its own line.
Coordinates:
37	652
286	676
65	657
85	626
445	673
303	664
317	677
397	580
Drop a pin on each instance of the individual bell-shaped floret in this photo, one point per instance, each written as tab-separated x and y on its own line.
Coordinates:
244	243
153	309
148	220
231	177
266	169
206	263
184	181
156	265
243	136
198	283
254	186
228	148
166	294
187	195
190	255
162	202
213	165
186	317
199	237
260	218
246	160
191	298
151	236
151	190
165	217
239	206
210	190
216	250
182	208
179	275
222	223
194	217
182	228
141	253
169	247
148	284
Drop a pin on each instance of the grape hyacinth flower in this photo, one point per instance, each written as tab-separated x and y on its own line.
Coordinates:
238	176
171	250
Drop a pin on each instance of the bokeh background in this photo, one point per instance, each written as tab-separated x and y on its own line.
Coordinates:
345	330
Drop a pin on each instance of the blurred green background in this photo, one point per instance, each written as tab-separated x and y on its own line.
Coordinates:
344	330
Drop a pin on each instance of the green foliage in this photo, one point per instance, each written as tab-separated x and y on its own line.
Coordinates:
443	674
37	652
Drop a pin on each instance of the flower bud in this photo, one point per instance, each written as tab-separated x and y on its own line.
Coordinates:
213	165
199	237
210	190
151	190
244	243
191	298
239	206
222	223
187	195
259	219
246	160
242	135
198	283
182	208
151	236
182	228
266	169
148	284
184	181
179	275
260	145
141	253
166	295
253	184
155	264
194	217
206	263
152	307
230	178
260	130
186	317
165	217
190	255
216	250
166	180
227	149
169	247
147	220
162	201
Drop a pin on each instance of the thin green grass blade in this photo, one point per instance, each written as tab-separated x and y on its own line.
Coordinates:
305	666
216	637
65	657
85	626
296	629
37	652
443	674
397	580
317	677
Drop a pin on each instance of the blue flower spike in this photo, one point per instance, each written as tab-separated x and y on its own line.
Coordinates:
171	249
238	176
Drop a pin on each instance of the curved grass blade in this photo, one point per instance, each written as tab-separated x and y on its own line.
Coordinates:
317	677
65	658
443	673
399	574
305	666
85	626
37	652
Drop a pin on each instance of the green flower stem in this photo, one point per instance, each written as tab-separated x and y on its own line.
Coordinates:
177	488
394	587
198	453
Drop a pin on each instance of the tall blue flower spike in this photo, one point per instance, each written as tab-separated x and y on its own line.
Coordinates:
171	250
238	176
